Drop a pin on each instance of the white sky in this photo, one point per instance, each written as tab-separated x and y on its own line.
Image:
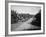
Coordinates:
26	9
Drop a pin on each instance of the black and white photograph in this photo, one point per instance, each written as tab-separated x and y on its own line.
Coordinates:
25	18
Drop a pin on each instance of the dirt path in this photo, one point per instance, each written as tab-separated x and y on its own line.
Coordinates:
23	25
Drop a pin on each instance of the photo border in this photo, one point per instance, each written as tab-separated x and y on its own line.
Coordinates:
6	17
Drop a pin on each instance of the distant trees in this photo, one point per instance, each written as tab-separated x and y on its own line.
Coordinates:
15	17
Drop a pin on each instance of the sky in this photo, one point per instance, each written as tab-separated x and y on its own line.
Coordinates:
33	10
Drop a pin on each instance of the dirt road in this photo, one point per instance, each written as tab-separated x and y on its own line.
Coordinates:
23	25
